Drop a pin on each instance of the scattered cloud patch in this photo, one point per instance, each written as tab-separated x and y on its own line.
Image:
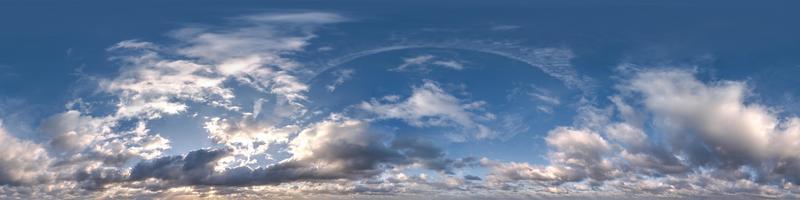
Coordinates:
341	76
423	63
452	64
429	105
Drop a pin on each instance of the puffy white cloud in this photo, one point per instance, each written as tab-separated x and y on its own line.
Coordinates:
626	134
342	149
716	143
22	162
155	80
576	155
255	53
123	146
582	148
150	85
334	150
79	138
95	151
72	131
710	123
248	138
429	105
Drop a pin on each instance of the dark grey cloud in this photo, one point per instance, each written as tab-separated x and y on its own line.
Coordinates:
193	168
96	179
472	177
427	154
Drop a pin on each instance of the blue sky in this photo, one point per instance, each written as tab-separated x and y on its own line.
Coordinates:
399	99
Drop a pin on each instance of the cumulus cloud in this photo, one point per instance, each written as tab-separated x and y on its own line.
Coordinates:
72	131
151	86
716	142
326	151
713	125
22	162
709	123
157	80
350	149
429	105
334	149
665	132
80	138
247	138
575	156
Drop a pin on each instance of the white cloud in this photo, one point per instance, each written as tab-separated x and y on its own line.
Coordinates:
150	86
575	156
694	115
627	134
83	139
421	63
326	142
156	80
429	105
139	143
247	138
452	64
547	99
22	162
299	18
341	76
71	131
418	60
133	44
715	143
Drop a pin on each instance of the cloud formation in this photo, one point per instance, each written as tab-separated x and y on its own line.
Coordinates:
335	149
429	105
22	162
423	63
715	142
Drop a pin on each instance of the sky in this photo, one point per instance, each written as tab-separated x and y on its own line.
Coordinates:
309	99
